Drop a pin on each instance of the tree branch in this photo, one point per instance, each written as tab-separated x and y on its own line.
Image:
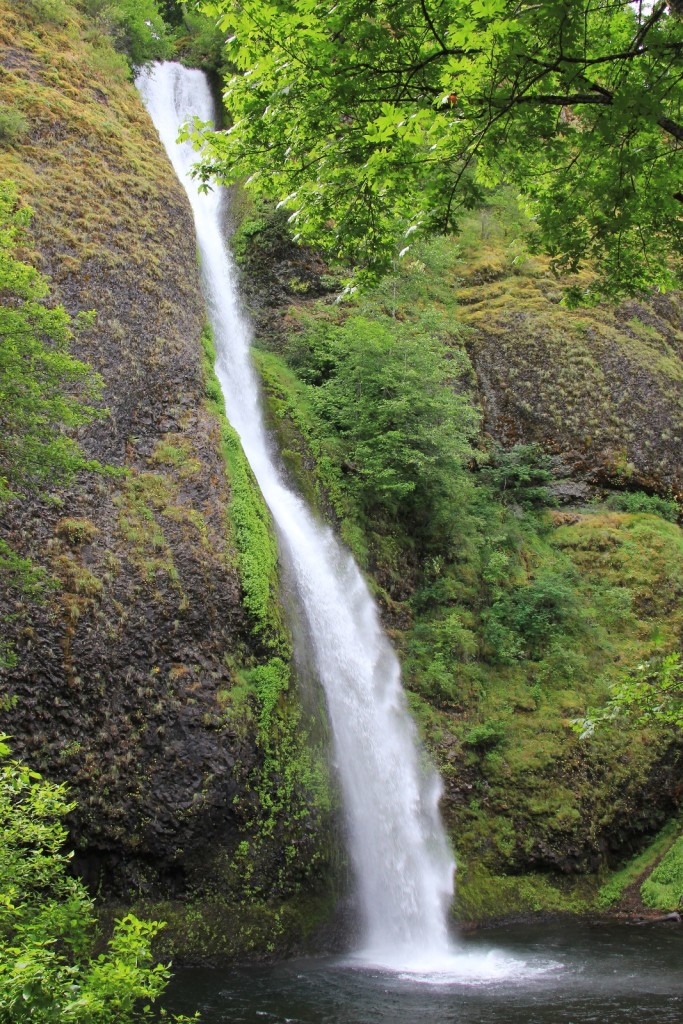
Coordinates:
603	98
671	127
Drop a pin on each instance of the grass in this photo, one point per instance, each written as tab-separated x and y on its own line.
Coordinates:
612	891
663	889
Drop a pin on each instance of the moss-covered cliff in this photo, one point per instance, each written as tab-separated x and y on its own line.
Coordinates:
141	678
512	618
156	678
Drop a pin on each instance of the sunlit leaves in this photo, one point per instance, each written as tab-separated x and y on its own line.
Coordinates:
49	970
372	112
653	693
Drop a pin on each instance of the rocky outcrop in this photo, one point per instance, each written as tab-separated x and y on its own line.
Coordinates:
123	670
598	387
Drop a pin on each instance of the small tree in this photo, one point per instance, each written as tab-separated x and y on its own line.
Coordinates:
49	973
404	430
44	392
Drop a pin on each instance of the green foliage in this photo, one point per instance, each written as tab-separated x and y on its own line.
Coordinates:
578	598
198	41
652	693
637	501
13	125
269	681
250	520
664	888
612	891
137	28
50	12
392	119
43	389
49	970
519	475
485	736
524	620
482	894
383	389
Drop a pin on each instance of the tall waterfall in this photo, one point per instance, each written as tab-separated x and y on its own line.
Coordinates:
402	864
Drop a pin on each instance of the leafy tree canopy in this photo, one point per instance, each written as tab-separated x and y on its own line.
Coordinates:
374	120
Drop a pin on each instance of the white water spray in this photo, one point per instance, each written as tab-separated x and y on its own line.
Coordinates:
402	863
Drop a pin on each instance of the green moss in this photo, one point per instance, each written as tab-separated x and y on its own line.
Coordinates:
76	531
291	783
217	930
517	620
250	522
482	895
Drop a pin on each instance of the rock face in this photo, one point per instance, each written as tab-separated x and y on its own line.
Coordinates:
601	387
130	682
123	669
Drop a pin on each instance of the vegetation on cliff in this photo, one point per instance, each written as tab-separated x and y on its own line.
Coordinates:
513	615
463	429
153	672
43	392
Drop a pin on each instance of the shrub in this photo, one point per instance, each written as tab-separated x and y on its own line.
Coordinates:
520	475
383	388
524	619
49	972
664	888
13	125
637	501
485	736
136	27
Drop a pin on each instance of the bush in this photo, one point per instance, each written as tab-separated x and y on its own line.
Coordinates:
519	475
637	501
383	388
13	125
50	12
49	972
43	390
664	888
137	28
200	43
485	736
524	620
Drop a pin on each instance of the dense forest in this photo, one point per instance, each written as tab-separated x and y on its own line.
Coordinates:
458	235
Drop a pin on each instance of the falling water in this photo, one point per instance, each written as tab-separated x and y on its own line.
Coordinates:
403	867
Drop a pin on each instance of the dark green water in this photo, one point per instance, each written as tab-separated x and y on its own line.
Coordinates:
559	974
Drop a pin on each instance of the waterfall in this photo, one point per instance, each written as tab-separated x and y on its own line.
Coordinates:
398	848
